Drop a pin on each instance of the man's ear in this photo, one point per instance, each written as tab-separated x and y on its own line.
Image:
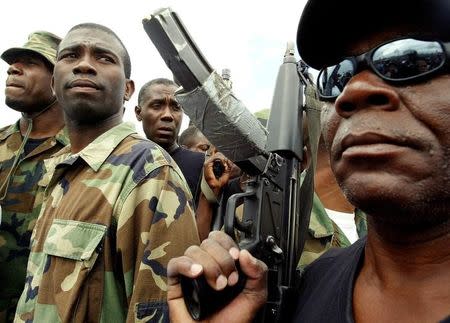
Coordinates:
137	112
129	90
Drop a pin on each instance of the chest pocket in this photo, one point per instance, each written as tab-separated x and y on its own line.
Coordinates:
69	278
74	240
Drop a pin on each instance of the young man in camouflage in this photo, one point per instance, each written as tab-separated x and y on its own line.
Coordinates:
117	207
23	146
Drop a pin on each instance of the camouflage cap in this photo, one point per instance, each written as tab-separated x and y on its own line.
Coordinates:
41	42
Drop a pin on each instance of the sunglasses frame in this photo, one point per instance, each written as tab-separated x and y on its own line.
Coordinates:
365	60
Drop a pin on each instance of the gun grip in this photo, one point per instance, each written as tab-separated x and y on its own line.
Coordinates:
202	300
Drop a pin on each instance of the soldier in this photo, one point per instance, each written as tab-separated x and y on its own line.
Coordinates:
161	117
23	146
116	206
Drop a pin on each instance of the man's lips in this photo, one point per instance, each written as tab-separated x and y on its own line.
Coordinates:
83	83
165	130
371	143
13	83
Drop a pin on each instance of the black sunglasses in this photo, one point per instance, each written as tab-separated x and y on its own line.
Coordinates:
397	61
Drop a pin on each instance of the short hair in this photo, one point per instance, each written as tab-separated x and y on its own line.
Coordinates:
189	133
160	80
126	56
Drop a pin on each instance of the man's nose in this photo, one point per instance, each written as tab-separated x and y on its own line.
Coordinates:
84	66
167	113
14	69
366	90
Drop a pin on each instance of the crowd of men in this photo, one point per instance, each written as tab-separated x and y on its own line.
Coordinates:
98	224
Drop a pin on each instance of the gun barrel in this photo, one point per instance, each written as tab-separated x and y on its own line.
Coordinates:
177	48
286	112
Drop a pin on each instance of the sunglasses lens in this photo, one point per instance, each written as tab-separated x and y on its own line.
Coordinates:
407	58
331	80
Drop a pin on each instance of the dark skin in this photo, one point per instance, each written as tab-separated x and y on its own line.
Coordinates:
161	115
28	90
204	210
325	184
198	143
90	83
389	150
405	274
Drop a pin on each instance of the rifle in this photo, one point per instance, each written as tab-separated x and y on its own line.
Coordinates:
273	227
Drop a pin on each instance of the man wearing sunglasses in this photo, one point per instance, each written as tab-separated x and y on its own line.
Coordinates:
386	125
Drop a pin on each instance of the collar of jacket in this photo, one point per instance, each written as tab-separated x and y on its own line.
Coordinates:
97	151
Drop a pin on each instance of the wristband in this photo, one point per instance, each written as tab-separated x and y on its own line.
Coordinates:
207	191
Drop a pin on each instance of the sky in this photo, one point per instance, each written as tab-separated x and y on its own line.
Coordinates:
247	37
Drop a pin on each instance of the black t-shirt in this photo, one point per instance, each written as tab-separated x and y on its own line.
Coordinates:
191	165
32	144
326	289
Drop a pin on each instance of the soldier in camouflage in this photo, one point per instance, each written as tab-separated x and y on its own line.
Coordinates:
116	207
324	233
23	146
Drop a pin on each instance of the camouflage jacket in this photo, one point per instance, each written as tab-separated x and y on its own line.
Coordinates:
324	234
20	207
114	215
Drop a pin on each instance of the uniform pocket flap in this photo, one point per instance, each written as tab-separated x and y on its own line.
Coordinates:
73	239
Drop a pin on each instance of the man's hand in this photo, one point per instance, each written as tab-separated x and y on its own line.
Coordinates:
216	184
215	259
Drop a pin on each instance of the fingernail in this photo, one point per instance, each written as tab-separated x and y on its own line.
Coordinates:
234	252
196	269
221	282
233	278
253	260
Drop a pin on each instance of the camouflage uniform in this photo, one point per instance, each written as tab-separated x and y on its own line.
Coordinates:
114	215
324	234
21	207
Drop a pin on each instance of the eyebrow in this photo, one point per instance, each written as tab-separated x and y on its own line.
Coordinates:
96	49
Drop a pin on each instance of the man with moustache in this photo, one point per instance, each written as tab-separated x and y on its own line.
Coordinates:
388	138
116	206
23	147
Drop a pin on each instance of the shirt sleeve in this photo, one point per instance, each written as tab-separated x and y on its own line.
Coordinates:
155	224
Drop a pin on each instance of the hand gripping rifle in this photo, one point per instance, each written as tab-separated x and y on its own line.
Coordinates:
273	226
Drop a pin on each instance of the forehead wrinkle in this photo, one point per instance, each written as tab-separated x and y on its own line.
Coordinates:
79	38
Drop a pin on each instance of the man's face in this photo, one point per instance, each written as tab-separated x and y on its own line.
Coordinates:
89	78
28	85
389	145
199	143
161	114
